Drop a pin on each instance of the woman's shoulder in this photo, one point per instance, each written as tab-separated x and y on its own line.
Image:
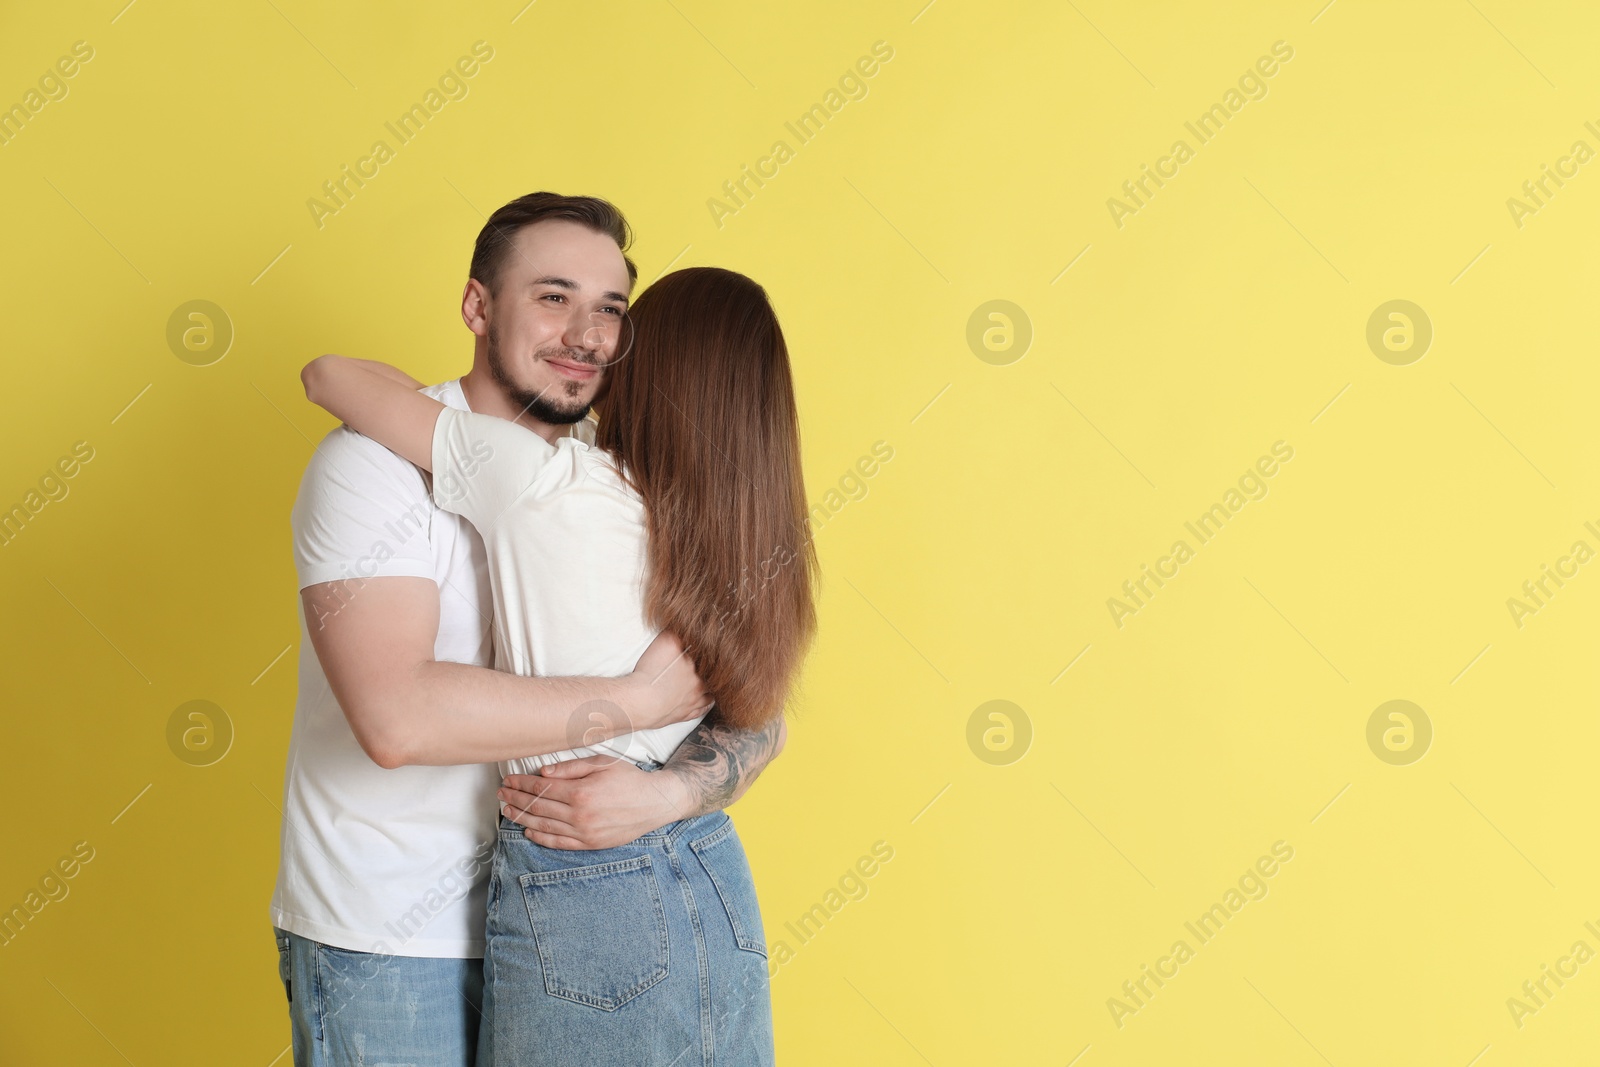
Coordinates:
585	453
592	465
478	425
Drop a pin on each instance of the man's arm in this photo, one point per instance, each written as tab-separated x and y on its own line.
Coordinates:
600	802
374	638
716	764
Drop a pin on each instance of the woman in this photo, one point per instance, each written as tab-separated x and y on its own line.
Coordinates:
688	515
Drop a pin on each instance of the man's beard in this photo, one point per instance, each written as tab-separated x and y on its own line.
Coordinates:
553	411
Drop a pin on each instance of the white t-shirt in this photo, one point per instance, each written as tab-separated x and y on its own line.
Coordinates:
375	860
566	540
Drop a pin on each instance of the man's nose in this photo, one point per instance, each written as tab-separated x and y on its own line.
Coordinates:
582	332
590	332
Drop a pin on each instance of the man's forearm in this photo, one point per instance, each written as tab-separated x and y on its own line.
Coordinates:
716	763
457	713
375	641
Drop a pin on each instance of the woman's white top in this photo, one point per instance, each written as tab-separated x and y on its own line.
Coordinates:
566	543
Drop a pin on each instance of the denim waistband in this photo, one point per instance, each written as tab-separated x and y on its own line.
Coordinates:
661	835
679	827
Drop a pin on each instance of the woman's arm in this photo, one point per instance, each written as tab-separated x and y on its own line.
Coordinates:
394	373
377	403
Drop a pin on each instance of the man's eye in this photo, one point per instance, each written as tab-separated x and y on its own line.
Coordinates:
612	311
554	296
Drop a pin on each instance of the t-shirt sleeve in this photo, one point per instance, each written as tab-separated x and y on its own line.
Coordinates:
482	464
362	512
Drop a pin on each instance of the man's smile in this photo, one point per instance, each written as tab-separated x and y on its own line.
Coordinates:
581	372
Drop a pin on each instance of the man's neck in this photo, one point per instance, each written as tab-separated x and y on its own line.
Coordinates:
484	396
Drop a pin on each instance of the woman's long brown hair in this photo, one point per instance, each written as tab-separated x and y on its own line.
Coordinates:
701	417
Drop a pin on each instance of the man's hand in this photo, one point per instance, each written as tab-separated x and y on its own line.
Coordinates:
590	803
603	802
664	687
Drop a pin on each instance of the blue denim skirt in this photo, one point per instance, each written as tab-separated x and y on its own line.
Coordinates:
652	952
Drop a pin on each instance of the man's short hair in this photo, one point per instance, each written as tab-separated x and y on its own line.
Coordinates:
495	240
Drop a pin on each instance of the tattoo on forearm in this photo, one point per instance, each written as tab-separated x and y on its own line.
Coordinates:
718	762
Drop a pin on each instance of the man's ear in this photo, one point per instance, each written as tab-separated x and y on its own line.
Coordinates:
475	301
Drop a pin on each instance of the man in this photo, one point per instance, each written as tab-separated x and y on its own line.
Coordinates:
389	796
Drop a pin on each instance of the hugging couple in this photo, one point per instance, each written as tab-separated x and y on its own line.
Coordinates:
646	580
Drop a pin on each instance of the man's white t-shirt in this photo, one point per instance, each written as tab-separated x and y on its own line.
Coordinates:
566	540
393	861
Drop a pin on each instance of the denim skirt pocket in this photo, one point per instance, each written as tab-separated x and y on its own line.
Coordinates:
601	931
722	855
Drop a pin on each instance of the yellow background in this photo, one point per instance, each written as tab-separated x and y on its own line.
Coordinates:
1226	315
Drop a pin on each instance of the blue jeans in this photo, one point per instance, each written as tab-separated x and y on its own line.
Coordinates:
350	1008
652	952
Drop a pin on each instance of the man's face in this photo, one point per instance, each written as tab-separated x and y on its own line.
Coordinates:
556	319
